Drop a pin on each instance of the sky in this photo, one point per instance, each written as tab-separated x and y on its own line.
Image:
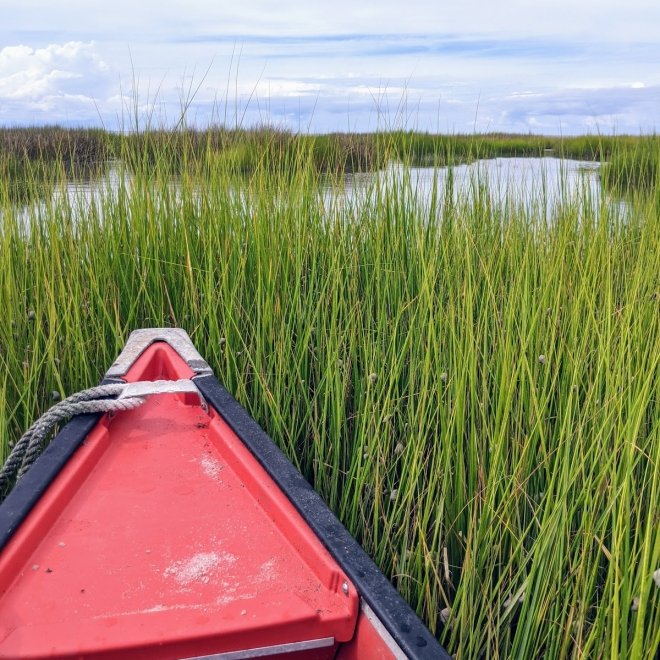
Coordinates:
543	66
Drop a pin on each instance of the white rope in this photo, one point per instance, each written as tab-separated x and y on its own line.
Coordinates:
32	442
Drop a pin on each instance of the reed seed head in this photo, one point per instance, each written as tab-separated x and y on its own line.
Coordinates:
445	616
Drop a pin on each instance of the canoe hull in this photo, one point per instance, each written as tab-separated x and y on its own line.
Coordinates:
173	531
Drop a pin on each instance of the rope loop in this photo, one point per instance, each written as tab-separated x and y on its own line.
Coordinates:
100	399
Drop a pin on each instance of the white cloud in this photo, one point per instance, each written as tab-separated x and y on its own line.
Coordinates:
59	80
129	21
624	109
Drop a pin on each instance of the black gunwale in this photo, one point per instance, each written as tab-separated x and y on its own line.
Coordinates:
402	623
34	483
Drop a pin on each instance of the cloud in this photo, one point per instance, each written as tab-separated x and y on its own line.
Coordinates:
333	105
619	108
377	45
59	81
127	21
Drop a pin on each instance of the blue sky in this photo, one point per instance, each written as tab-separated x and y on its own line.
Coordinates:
546	66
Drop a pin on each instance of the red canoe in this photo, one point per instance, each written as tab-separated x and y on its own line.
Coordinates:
179	530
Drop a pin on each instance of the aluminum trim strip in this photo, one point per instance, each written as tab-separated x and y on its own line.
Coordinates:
265	651
149	387
382	631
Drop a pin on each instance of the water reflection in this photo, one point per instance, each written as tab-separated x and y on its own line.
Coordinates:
536	185
513	181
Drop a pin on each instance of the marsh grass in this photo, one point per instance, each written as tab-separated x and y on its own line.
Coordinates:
634	168
33	160
426	149
472	386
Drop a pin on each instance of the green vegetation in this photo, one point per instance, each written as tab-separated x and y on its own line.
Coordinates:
473	388
33	161
635	168
427	149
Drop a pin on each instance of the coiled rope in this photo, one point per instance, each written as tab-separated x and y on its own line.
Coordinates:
29	447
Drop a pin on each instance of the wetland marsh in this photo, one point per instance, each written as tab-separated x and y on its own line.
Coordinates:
471	380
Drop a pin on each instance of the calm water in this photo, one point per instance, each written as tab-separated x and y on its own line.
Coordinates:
540	183
522	181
